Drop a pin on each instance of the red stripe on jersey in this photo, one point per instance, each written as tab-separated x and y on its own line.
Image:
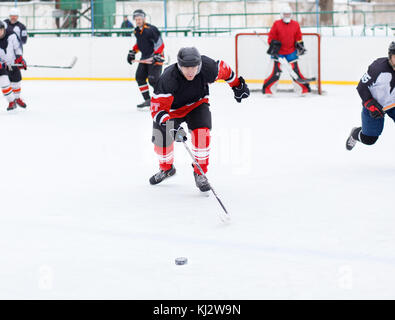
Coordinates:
225	73
160	49
183	111
144	88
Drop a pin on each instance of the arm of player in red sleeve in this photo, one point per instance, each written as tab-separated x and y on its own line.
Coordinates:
226	73
272	33
136	48
160	107
298	32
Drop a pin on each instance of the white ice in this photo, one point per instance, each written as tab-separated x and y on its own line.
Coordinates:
79	220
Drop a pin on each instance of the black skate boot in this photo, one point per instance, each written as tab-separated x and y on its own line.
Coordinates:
353	138
146	103
162	175
201	182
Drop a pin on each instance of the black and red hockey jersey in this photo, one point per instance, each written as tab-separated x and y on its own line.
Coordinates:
149	41
174	96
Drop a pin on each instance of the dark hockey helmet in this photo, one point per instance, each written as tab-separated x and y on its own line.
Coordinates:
189	57
138	13
391	49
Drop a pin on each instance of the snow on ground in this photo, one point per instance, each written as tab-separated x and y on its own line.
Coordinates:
79	220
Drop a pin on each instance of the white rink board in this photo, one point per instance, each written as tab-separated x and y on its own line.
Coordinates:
343	58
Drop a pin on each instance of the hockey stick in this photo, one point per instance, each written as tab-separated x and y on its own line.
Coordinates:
151	60
224	217
71	65
390	106
286	65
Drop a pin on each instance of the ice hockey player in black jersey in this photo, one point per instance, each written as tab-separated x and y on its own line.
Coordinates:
376	89
149	42
14	25
10	77
181	95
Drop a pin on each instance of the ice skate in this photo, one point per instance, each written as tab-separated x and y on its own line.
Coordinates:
201	182
162	175
352	139
145	104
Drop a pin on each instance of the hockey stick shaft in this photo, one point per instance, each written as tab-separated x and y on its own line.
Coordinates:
202	172
46	66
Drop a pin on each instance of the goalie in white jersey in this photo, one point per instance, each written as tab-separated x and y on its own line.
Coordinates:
10	76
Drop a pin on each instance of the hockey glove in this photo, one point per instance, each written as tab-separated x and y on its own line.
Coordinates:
20	60
274	48
157	58
131	56
241	91
375	109
179	134
300	48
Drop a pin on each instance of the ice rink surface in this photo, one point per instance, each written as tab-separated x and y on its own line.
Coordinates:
79	220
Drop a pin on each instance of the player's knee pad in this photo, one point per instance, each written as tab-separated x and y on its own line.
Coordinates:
369	140
161	137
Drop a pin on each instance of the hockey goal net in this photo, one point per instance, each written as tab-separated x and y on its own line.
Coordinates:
255	65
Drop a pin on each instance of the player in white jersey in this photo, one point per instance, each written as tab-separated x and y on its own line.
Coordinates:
377	91
10	76
18	27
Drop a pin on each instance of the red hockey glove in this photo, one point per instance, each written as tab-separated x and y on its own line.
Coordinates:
20	60
241	91
375	109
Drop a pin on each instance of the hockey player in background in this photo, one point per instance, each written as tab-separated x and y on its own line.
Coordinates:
285	40
18	27
377	91
181	95
10	77
150	43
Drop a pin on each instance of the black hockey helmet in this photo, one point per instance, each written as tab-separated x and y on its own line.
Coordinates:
189	57
391	49
138	13
2	25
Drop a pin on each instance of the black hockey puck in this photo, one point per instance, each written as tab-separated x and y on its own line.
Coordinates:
181	261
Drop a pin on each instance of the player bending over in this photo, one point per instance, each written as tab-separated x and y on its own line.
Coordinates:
285	40
10	77
376	89
181	95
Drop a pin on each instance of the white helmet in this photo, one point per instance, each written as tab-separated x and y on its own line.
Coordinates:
14	12
286	14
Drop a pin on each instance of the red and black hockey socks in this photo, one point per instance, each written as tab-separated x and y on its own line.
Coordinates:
201	148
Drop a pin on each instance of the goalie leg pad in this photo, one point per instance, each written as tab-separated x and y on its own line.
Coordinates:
272	79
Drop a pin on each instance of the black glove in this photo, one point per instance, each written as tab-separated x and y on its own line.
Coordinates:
131	56
375	109
274	48
157	58
300	48
179	134
241	91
